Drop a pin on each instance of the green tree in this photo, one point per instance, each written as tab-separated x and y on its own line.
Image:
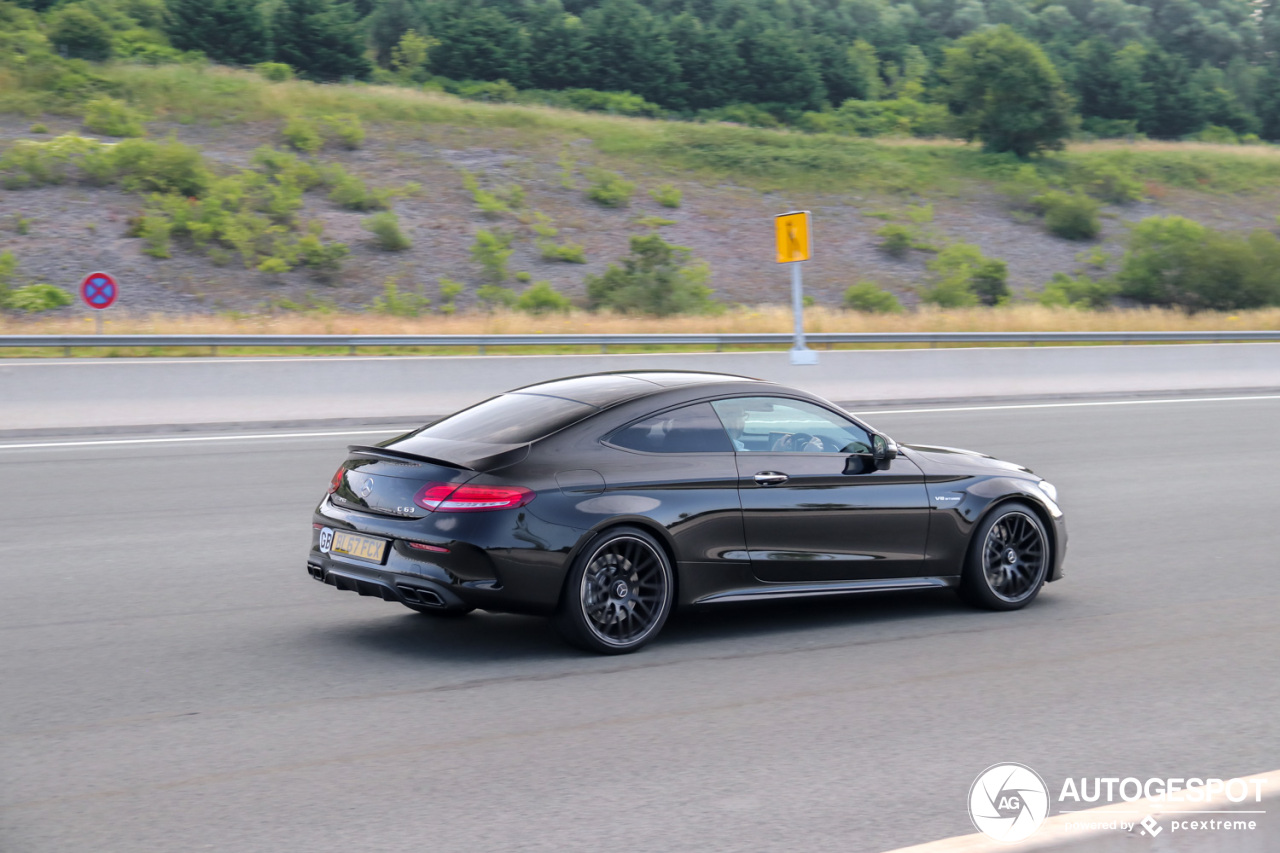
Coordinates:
655	278
560	54
711	71
79	32
482	44
778	72
227	31
320	39
635	53
390	21
963	276
1005	92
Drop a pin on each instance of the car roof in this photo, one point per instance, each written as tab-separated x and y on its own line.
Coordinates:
609	389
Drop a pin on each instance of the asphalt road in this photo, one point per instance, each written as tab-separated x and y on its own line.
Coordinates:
172	680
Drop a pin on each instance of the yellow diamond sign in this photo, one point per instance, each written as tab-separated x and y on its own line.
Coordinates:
792	231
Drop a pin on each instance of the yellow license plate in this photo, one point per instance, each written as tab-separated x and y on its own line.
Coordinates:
360	547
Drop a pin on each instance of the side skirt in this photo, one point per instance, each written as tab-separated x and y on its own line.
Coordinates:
803	590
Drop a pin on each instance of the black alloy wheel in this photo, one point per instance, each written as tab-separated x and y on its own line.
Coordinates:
618	593
1008	559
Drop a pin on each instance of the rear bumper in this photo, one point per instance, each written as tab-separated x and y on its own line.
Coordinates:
412	591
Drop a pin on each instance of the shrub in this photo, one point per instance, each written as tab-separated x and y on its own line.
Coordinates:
1072	216
654	222
501	200
112	117
30	162
609	188
385	227
963	276
1065	291
899	117
397	304
895	240
870	298
8	270
592	100
346	129
667	195
1177	262
155	230
275	72
449	292
655	278
38	128
38	297
352	193
542	298
79	32
491	296
491	250
301	134
497	91
570	253
143	166
1110	180
524	276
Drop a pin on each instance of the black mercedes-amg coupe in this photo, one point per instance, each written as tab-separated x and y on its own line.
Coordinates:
606	500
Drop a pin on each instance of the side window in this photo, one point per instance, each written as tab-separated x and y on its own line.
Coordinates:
692	429
777	425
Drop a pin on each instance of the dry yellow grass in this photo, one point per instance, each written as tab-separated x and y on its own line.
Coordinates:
1020	318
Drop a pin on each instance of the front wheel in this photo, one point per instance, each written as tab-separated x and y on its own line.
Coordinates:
1008	559
618	593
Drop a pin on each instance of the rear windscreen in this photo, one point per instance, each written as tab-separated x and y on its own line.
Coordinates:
509	419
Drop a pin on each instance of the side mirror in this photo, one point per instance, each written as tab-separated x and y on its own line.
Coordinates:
882	450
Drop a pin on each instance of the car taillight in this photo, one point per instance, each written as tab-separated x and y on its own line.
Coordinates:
336	481
447	497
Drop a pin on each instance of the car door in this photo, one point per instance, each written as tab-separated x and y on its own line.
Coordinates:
815	505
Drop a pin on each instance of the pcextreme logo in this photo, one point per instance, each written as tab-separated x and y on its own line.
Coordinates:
1008	802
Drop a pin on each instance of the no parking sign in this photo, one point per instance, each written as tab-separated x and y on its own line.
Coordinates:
99	290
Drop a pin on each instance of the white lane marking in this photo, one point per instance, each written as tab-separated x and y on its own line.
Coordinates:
392	430
1066	405
191	438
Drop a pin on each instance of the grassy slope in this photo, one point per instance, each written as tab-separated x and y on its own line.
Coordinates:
733	177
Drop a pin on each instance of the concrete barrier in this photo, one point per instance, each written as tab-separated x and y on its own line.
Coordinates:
1064	834
69	394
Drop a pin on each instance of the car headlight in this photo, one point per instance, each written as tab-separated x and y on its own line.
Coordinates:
1049	489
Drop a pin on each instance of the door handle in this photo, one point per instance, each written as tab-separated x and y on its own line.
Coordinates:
770	478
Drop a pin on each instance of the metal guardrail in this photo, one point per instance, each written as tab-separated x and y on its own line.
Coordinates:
719	341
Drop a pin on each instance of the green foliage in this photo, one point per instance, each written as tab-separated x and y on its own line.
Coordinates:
397	304
21	224
570	253
1071	216
1005	92
609	188
113	118
1065	291
450	290
492	250
409	56
496	91
345	129
896	240
591	100
524	276
139	165
899	117
320	39
654	221
231	32
38	127
385	227
8	272
656	278
667	195
1109	178
496	202
1172	261
37	297
493	296
155	230
274	72
962	276
542	298
79	32
870	298
302	134
351	192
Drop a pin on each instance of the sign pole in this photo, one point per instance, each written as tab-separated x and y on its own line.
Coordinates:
99	290
795	246
97	322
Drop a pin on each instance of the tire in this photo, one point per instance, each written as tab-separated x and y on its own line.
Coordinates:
618	592
1008	559
439	612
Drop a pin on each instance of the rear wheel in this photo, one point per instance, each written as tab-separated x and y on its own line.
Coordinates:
1008	559
618	593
